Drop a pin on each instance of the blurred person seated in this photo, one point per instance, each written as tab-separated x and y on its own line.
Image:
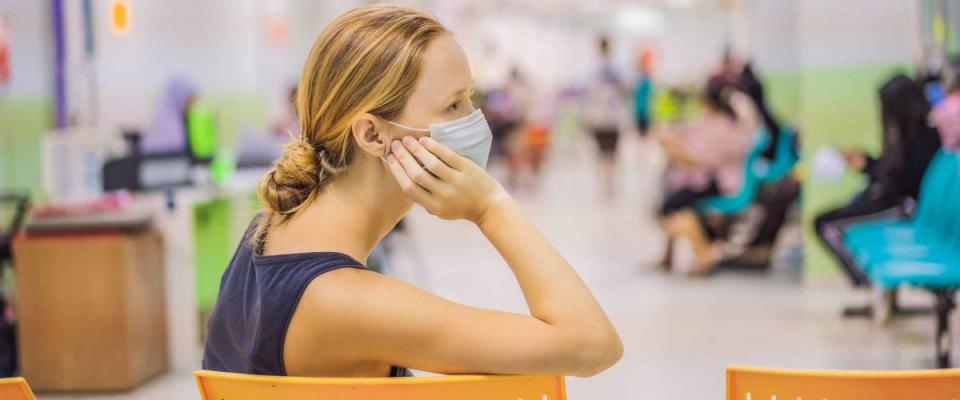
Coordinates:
775	198
167	132
909	143
730	67
707	159
749	82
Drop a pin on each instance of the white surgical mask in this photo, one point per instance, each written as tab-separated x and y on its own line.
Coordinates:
468	136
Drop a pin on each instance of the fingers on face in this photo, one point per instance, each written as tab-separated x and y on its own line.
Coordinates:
429	161
449	157
414	171
407	185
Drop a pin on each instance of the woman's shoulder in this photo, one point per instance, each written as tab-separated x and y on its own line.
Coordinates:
342	292
341	306
341	285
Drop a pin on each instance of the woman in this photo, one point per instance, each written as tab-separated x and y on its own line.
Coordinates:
708	159
296	298
604	106
909	142
643	93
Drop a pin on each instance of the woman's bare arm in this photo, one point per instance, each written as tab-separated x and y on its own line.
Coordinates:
382	319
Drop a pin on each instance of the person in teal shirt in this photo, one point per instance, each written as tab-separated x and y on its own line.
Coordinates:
642	97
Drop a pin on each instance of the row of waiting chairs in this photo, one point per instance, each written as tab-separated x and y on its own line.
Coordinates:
743	383
922	251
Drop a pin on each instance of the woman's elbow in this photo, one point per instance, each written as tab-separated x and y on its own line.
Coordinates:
598	354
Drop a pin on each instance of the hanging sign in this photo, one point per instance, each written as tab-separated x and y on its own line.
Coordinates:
120	15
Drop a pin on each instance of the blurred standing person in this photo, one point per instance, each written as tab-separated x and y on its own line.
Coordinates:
518	111
643	92
604	106
504	106
496	106
536	141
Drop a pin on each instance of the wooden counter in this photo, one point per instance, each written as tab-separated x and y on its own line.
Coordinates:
91	309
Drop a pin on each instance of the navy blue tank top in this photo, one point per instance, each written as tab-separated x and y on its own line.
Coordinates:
258	295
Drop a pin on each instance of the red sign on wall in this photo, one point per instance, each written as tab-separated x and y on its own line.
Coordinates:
4	53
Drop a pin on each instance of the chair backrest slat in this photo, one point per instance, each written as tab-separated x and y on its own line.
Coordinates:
15	389
933	187
751	383
220	385
952	203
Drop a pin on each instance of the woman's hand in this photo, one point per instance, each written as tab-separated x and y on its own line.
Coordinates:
856	159
672	145
444	183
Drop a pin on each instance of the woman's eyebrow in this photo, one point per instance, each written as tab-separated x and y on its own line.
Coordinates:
460	91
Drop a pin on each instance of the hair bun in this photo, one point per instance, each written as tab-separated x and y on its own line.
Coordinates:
293	180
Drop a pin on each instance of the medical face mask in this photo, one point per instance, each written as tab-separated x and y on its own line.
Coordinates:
469	136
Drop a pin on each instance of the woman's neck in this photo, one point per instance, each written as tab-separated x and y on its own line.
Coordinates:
350	215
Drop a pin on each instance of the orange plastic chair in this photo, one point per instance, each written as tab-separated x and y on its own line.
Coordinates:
222	385
751	383
15	389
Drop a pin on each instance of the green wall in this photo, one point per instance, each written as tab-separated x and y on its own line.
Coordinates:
214	244
22	124
782	93
237	112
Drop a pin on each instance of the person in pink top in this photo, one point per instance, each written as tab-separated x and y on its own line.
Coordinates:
708	159
946	116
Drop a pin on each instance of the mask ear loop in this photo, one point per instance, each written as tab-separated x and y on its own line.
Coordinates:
409	128
398	125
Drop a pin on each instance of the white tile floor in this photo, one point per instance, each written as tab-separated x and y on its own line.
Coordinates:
679	333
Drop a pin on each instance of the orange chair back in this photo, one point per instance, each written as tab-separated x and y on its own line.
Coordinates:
15	389
750	383
222	385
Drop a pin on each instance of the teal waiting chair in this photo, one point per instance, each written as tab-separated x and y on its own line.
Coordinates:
923	251
784	159
933	224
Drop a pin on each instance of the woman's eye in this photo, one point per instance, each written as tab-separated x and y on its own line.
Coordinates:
454	107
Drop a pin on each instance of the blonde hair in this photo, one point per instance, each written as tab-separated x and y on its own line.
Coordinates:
367	60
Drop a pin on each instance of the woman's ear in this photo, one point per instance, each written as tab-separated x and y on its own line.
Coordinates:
368	131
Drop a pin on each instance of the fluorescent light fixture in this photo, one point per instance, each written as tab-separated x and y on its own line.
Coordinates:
679	3
642	20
